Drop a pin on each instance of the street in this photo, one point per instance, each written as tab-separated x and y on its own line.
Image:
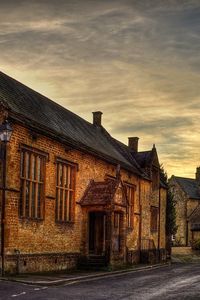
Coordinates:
179	281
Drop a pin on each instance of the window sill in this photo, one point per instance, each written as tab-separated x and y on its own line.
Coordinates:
129	228
28	219
64	222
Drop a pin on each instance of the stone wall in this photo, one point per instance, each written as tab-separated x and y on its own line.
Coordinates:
184	208
181	212
46	244
191	206
47	236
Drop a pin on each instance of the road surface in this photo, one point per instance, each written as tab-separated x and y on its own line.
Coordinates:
179	281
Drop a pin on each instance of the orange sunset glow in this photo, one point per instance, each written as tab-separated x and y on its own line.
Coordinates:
136	61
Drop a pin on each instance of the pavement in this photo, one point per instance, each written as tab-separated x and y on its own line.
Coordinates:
185	255
54	279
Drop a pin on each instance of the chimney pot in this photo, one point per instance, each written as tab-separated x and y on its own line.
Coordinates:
133	143
97	118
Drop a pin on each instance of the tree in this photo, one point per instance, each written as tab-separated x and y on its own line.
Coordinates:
171	227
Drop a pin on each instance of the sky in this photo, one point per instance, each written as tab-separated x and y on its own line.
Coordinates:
137	61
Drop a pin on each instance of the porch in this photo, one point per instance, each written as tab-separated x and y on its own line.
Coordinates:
104	224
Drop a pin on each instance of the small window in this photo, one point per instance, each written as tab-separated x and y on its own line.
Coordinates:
154	218
65	191
130	206
32	184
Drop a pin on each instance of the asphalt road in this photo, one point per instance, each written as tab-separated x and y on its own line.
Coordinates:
179	281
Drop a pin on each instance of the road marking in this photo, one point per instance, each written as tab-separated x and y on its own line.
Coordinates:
39	289
17	295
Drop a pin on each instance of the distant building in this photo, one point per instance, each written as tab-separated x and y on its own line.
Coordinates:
186	193
74	194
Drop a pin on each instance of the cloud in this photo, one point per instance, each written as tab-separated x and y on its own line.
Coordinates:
137	61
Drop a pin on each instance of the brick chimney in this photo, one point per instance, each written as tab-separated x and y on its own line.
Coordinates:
133	143
198	175
97	118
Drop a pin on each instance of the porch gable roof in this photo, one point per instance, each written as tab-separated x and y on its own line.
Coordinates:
102	193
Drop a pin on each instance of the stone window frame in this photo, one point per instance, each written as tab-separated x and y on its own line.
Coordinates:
65	213
130	193
154	218
32	174
118	225
116	219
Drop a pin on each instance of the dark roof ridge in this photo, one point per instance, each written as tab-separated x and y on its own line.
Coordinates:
127	148
44	97
43	114
189	186
184	177
147	151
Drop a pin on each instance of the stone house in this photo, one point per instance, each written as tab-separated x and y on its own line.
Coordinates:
72	192
186	193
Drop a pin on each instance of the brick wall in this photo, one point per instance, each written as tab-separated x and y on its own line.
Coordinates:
43	243
47	236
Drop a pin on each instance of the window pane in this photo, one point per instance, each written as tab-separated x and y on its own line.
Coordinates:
38	168
22	200
60	175
64	176
64	195
39	200
33	200
61	205
66	205
27	174
33	167
27	198
71	178
41	169
130	212
22	164
71	205
67	177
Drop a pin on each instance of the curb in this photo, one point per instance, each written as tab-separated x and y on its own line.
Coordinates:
84	278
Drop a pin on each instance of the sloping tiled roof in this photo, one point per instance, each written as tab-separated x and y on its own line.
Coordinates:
99	193
127	153
37	110
144	158
195	215
190	186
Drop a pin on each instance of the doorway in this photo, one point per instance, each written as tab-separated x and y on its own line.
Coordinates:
97	233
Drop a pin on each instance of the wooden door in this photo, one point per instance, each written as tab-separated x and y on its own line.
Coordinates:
97	233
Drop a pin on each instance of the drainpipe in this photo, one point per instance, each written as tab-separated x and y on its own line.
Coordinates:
5	135
159	221
187	229
4	148
140	222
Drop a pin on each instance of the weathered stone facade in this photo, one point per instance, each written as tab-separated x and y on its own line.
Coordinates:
187	199
45	244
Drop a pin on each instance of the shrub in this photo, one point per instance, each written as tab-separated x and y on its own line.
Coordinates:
195	244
